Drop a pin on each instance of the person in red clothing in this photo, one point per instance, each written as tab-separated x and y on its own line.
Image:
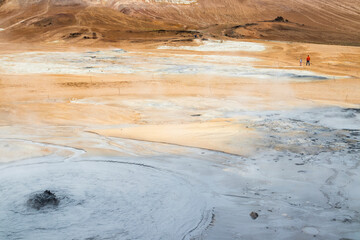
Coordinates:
308	60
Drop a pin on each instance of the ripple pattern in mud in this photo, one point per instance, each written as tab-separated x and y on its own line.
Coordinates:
100	200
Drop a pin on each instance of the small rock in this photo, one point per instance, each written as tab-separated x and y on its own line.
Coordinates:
310	230
254	215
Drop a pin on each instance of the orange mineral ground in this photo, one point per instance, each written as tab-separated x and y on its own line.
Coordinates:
180	116
46	94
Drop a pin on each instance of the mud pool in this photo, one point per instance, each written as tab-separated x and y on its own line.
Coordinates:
119	61
133	165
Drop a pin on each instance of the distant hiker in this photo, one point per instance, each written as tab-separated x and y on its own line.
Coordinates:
308	60
300	61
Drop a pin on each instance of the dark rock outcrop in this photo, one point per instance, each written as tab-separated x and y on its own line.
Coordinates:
280	19
40	200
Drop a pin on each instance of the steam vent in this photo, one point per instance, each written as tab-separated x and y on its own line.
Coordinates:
44	199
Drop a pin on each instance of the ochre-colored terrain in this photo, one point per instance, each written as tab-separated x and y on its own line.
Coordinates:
52	99
140	27
90	22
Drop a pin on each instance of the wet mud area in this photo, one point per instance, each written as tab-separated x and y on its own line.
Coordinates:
188	142
119	61
312	165
86	192
312	131
300	182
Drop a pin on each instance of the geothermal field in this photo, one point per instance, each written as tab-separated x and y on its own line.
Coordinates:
181	142
178	134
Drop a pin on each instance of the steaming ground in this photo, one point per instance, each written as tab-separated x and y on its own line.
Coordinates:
118	61
181	142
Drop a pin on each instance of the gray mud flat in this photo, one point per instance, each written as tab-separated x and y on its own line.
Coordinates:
301	181
302	184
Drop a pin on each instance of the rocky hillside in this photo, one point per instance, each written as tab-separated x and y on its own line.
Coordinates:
320	21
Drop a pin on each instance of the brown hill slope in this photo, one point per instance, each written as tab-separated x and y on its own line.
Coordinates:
113	20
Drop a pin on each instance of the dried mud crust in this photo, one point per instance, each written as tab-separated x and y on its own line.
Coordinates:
94	84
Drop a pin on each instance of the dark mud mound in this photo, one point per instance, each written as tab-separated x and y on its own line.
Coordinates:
41	200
